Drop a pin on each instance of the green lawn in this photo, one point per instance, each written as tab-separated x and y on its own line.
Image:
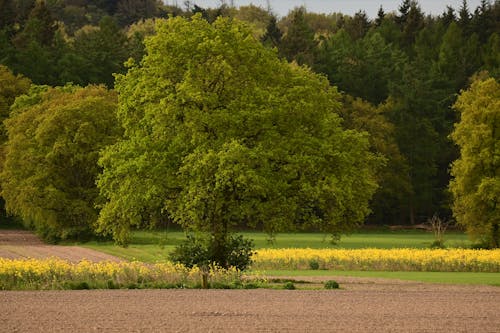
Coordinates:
154	246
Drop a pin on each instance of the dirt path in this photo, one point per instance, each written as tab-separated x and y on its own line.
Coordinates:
19	244
432	308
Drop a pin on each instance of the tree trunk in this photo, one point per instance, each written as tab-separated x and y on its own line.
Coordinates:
204	279
495	236
412	212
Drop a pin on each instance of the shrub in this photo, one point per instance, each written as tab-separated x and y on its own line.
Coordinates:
289	286
203	252
314	264
331	284
438	244
79	285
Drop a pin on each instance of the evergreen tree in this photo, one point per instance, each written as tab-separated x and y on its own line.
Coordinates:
485	20
464	17
404	10
7	14
102	51
490	55
130	11
448	16
362	68
358	26
34	53
413	23
273	34
458	57
421	116
39	28
298	44
380	17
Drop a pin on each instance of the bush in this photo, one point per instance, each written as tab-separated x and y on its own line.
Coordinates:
314	264
438	244
77	285
289	286
331	284
483	245
235	251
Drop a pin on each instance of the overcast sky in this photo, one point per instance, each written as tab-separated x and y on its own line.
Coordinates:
281	7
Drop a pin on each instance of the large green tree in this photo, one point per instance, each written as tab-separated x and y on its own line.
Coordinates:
219	132
11	86
54	139
476	183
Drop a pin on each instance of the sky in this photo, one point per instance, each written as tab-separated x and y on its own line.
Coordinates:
349	7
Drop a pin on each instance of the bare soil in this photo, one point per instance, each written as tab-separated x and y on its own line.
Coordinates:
20	244
431	308
361	305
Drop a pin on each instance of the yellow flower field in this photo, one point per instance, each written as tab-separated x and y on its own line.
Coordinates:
60	274
444	260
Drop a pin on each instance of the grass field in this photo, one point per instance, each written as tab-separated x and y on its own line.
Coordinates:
154	246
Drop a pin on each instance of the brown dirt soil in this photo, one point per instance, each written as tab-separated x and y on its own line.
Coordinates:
427	308
20	244
362	305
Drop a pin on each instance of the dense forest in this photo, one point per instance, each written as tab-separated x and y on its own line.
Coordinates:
399	76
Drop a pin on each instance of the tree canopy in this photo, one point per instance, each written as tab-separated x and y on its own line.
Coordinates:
54	138
476	183
11	86
219	131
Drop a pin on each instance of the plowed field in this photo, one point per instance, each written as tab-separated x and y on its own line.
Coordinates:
18	244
